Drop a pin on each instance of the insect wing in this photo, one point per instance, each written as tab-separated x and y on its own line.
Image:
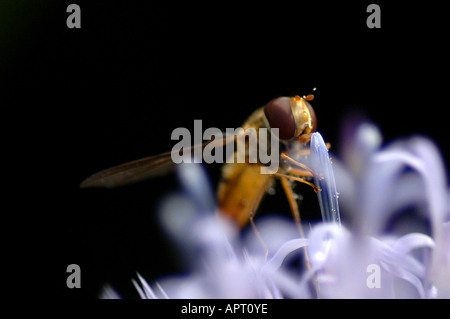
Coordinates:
142	169
130	172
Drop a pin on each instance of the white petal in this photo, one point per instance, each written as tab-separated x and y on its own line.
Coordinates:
195	182
324	178
412	241
147	290
288	247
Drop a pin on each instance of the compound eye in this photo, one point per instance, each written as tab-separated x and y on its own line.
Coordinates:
279	114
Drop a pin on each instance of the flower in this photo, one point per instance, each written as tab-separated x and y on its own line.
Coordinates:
221	266
365	257
376	185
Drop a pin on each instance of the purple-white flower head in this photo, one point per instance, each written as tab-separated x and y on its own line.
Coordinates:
357	256
376	186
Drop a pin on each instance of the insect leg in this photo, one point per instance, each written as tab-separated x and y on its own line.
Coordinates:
298	179
258	235
292	203
293	161
255	229
295	212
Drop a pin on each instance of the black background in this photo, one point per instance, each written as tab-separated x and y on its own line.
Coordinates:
81	100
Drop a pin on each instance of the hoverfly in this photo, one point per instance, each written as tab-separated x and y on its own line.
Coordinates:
242	185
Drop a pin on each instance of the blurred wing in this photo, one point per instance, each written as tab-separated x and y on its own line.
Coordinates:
140	169
130	172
